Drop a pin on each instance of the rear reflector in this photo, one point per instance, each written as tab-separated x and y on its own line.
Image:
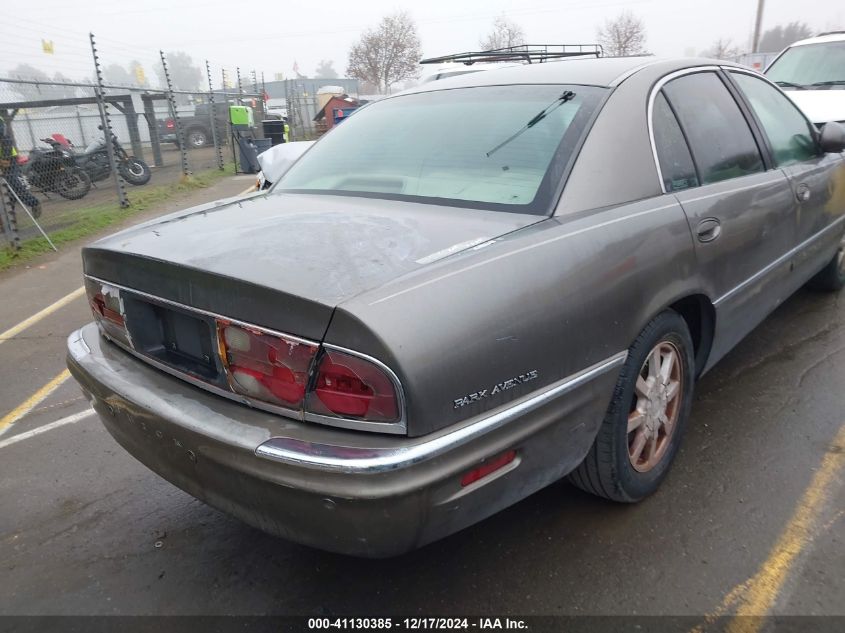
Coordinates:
488	468
353	387
268	367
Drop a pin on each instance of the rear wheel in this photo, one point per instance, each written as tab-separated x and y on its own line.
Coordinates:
832	277
73	184
135	171
647	415
197	137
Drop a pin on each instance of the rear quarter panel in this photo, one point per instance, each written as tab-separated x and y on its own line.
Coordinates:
553	298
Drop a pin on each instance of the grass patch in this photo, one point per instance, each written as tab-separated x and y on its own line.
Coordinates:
80	223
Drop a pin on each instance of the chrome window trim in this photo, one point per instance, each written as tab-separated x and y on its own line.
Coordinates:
745	71
400	427
655	89
367	461
748	71
778	262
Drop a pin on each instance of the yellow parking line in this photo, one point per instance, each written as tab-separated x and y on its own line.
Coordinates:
757	595
35	318
33	401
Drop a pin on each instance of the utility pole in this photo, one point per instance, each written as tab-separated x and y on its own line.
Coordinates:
755	42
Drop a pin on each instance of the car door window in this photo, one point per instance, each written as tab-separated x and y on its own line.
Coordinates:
787	129
720	140
673	155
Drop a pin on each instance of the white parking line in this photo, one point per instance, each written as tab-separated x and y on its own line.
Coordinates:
71	419
35	318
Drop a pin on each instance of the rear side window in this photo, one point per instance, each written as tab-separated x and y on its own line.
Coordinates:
719	137
676	164
786	128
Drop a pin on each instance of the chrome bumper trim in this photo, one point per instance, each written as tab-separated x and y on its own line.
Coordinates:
355	460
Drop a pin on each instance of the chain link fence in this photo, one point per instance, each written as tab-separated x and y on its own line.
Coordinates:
167	116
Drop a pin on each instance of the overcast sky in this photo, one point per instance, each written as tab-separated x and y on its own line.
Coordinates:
270	36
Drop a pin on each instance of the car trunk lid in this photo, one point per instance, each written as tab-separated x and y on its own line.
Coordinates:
284	261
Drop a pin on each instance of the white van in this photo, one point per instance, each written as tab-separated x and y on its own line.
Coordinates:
812	72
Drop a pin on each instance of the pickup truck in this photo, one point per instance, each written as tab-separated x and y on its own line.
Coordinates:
196	127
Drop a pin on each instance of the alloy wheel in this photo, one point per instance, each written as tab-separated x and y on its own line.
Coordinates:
197	139
656	406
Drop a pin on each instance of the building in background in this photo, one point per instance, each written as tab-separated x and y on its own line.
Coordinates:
297	98
334	108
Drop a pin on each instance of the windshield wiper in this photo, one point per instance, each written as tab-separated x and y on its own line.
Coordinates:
568	95
835	82
789	84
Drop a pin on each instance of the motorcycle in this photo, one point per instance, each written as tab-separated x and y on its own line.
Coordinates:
95	161
54	170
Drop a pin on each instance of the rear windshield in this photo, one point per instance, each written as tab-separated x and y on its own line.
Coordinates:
502	148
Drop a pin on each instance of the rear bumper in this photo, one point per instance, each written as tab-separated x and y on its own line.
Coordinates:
351	492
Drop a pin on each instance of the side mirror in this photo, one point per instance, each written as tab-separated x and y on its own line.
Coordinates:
832	138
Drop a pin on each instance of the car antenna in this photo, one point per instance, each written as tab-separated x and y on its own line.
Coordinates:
567	95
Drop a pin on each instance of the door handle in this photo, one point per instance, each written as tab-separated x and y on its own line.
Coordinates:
802	192
708	230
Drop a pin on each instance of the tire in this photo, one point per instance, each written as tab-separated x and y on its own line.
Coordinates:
609	470
832	277
74	184
135	171
196	137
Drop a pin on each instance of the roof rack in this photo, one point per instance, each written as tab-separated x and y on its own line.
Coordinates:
529	53
831	33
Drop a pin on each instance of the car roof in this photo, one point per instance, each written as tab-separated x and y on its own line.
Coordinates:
605	71
836	36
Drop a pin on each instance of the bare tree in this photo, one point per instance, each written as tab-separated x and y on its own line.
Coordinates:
43	90
722	49
325	70
117	75
623	35
183	73
779	37
387	54
505	33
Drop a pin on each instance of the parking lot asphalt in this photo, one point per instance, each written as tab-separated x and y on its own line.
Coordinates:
750	520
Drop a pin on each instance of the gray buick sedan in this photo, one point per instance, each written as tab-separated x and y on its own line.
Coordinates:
462	294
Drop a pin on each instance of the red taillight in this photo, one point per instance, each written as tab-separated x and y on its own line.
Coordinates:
170	124
108	309
106	305
264	366
488	468
353	387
